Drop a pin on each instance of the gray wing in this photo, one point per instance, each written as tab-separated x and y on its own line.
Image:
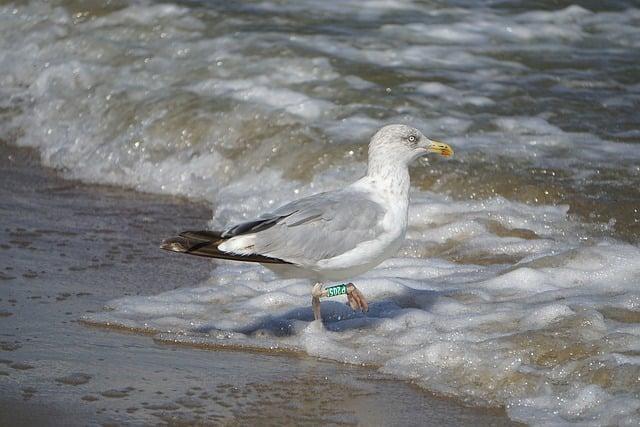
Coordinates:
318	227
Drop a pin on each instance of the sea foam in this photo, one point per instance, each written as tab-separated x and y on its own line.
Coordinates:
511	334
493	299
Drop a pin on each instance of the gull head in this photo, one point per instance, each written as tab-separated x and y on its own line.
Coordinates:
404	144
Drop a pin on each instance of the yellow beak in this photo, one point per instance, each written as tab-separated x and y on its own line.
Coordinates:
441	148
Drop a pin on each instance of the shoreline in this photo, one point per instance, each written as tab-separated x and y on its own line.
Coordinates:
68	248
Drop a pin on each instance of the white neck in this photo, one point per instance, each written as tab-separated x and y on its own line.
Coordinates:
389	174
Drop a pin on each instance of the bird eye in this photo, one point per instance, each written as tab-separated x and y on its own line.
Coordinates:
412	138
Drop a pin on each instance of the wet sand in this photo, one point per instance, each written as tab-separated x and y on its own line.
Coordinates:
66	248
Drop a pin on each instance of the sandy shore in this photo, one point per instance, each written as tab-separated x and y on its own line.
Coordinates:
66	248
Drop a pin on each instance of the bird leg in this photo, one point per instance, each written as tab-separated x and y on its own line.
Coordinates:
356	299
316	293
354	296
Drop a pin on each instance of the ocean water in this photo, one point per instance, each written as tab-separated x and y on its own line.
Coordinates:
519	283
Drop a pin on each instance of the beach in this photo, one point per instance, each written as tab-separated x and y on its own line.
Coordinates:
68	248
515	290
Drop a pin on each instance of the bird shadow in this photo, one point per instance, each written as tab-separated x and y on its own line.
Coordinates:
337	316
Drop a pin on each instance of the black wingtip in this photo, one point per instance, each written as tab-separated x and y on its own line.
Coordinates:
175	244
205	244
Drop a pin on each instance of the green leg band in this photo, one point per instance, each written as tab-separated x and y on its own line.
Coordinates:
334	291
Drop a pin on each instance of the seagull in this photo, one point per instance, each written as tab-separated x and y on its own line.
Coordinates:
331	236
